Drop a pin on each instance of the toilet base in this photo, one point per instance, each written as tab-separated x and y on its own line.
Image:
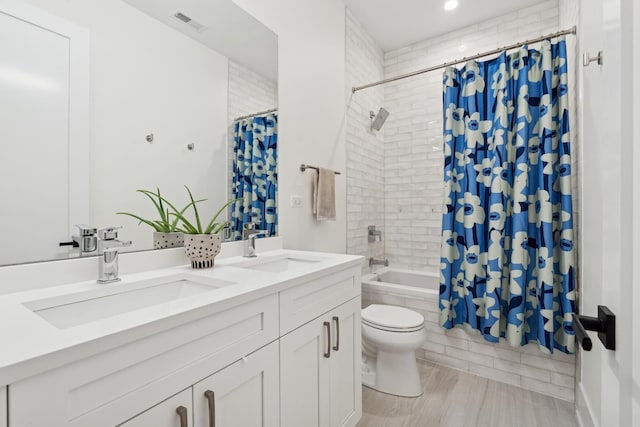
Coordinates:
392	373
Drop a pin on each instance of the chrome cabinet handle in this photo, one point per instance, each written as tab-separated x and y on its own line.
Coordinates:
211	397
327	326
336	319
182	413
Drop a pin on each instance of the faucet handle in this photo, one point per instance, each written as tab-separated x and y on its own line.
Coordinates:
109	233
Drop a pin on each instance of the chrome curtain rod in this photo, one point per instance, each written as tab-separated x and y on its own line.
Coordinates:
572	31
259	113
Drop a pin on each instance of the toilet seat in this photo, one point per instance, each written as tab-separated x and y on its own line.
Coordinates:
392	318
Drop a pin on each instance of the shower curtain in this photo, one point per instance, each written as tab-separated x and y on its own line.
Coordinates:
255	176
507	251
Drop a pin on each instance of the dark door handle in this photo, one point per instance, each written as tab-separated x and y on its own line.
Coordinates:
182	413
604	324
336	319
211	397
327	327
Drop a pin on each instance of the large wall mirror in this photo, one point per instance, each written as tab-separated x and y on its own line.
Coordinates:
165	82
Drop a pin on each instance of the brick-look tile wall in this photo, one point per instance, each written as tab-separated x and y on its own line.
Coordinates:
249	92
412	180
365	148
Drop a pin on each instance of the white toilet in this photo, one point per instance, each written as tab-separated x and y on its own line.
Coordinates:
390	337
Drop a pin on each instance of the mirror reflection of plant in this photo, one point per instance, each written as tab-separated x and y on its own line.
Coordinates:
164	224
189	227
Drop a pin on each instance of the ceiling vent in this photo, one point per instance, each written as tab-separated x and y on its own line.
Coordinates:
188	21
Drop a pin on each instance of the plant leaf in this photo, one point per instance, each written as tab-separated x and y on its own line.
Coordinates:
213	223
195	211
142	220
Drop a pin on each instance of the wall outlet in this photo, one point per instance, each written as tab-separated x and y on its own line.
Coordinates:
296	201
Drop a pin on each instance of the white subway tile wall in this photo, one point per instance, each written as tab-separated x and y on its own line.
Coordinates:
249	92
409	153
365	148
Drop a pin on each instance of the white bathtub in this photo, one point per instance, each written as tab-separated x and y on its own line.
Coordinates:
403	282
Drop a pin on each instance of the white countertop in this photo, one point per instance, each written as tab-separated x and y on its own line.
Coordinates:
30	345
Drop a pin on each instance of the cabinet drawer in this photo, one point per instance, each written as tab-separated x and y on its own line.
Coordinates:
165	413
109	388
307	301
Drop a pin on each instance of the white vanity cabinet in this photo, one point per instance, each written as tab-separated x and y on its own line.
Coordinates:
288	357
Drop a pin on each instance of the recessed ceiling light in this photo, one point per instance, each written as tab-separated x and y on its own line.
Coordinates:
451	4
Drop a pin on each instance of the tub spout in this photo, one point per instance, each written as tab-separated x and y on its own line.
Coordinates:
373	261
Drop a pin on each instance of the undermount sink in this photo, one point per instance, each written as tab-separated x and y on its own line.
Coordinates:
79	308
278	265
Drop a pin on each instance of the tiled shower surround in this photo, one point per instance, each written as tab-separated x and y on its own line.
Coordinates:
394	180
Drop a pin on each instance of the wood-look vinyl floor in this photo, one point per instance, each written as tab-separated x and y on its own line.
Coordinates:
457	399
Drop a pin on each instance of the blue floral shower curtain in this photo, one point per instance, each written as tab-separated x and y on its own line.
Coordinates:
255	177
507	253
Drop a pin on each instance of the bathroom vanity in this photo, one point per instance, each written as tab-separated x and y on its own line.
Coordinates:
273	341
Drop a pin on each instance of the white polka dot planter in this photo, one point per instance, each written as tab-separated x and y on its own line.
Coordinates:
202	249
168	240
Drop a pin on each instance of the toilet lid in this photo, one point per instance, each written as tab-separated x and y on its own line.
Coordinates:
392	318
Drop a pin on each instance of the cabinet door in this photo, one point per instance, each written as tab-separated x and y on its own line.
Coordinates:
320	370
345	390
304	375
166	414
245	393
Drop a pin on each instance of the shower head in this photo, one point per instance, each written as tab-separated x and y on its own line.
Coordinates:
377	120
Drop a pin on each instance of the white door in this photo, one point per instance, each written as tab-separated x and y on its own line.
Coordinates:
43	115
173	412
245	393
608	391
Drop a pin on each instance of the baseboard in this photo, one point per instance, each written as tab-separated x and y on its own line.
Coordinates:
584	412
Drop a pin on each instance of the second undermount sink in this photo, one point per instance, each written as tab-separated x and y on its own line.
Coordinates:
79	308
278	264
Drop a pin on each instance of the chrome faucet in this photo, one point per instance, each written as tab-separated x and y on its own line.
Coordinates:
108	250
86	238
249	234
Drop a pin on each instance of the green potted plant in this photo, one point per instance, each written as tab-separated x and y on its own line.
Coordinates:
166	232
201	243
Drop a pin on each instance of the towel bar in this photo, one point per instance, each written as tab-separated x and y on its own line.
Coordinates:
304	167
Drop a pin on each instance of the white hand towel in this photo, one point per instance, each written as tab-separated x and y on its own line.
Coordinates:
324	195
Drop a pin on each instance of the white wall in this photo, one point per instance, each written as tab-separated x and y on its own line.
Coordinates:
148	78
311	70
413	132
365	148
